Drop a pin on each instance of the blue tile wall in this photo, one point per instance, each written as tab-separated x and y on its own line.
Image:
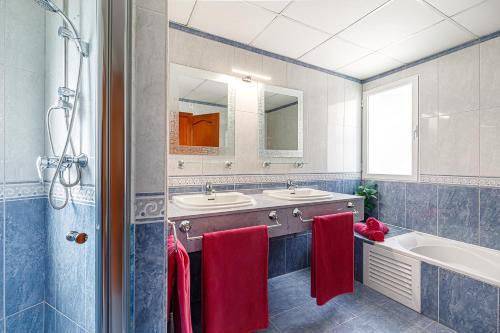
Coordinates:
489	220
149	284
29	320
467	305
429	291
391	199
277	256
458	215
358	259
421	207
296	252
25	254
463	213
71	266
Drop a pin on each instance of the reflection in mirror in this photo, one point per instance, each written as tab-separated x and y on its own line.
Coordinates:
280	122
200	120
281	113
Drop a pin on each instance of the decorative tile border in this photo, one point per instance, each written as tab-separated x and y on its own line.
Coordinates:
461	180
13	191
149	207
30	189
267	178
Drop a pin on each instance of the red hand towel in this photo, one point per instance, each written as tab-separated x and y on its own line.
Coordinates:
374	235
181	297
234	278
332	256
374	224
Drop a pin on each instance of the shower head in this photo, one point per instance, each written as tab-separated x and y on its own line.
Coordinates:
47	5
50	6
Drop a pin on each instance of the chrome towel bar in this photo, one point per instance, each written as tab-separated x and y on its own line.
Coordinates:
298	213
185	226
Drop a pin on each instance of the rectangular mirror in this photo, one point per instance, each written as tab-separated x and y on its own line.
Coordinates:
281	121
201	112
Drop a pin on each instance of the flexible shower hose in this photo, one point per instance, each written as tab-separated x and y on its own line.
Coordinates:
58	171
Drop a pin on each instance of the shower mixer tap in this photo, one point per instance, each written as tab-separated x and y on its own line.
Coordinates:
51	162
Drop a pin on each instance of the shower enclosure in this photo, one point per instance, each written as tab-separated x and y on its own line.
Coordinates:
52	88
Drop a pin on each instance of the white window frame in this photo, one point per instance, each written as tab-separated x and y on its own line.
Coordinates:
414	80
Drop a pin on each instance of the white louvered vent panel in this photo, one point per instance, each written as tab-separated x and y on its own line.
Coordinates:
392	274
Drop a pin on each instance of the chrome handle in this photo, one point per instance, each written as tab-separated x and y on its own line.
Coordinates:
77	237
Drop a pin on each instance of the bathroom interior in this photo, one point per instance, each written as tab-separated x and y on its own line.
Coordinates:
249	166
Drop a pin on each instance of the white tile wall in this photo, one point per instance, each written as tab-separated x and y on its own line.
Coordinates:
149	94
325	97
459	111
22	98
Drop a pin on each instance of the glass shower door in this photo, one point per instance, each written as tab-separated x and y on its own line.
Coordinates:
48	105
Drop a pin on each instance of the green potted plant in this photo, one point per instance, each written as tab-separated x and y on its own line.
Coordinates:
369	192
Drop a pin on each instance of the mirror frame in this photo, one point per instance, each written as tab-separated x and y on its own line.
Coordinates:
299	152
228	149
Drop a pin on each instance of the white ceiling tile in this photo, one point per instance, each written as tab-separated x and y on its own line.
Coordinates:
483	19
289	38
370	65
275	6
335	53
331	15
180	10
452	7
393	22
235	20
437	38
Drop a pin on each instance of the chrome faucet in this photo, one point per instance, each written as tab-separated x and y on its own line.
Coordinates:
290	185
209	189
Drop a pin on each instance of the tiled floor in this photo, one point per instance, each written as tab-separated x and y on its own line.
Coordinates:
365	311
292	310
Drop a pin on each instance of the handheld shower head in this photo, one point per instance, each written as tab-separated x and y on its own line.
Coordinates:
52	7
47	5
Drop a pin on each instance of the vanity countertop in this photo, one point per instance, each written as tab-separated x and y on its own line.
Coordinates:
262	202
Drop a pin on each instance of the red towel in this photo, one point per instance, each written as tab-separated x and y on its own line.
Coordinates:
374	235
332	256
234	273
374	224
179	280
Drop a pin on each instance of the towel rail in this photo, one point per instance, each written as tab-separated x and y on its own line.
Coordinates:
174	231
298	213
185	226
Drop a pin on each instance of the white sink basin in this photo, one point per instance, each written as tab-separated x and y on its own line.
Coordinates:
299	194
215	201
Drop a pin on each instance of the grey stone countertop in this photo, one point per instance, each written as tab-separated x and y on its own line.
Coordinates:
262	202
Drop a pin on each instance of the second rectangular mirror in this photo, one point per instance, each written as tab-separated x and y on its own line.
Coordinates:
281	122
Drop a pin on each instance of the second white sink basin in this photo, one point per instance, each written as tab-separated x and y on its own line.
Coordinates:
299	194
215	201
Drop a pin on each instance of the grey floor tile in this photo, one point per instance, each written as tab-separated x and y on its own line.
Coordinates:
437	328
402	311
301	319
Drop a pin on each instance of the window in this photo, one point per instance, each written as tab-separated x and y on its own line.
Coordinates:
390	114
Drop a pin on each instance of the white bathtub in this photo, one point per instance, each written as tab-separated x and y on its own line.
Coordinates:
471	260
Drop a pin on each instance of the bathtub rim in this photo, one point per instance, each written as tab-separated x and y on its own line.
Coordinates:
391	244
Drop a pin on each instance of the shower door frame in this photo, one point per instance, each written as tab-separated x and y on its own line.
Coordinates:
113	192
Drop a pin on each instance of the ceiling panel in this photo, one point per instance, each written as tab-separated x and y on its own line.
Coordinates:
370	65
335	53
441	36
235	20
483	19
275	6
180	10
393	22
331	15
289	38
452	7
